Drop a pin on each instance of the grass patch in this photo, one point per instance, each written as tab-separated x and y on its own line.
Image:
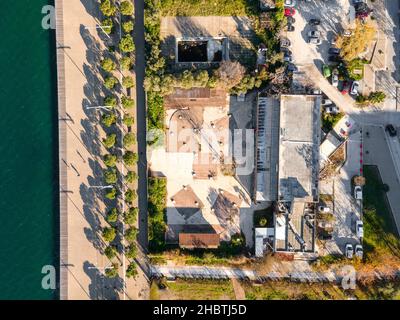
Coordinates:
209	7
330	120
381	236
157	193
355	69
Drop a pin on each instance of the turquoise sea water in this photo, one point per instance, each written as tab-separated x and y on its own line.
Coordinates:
28	150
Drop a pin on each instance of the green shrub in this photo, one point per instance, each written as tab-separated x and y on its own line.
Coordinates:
110	176
127	103
108	65
127	8
127	26
111	194
130	158
131	234
110	252
129	120
110	160
110	140
109	234
108	8
112	215
126	44
130	195
126	63
110	101
128	82
157	193
129	140
131	271
130	215
108	119
131	176
110	82
131	252
112	272
107	25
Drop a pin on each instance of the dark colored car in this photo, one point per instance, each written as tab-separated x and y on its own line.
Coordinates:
290	20
334	51
290	27
315	22
391	130
286	51
345	87
335	58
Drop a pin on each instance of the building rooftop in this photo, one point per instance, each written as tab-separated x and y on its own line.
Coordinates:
199	240
299	139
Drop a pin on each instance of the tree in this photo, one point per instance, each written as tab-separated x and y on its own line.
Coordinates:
107	25
130	195
127	26
131	176
201	78
130	216
110	176
112	215
110	140
127	8
108	65
131	234
110	252
108	119
131	271
112	272
127	103
110	101
130	158
377	97
110	82
111	193
129	140
131	251
129	120
128	82
126	63
126	44
263	222
108	8
352	46
229	74
359	180
109	234
110	160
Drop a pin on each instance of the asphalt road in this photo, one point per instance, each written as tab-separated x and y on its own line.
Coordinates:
141	123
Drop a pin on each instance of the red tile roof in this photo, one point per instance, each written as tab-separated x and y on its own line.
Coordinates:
199	240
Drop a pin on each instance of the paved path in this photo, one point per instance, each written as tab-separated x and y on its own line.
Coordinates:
141	122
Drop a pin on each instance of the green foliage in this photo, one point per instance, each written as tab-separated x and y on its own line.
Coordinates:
109	234
263	222
131	271
130	158
108	119
108	8
131	176
128	120
127	26
112	215
127	8
112	272
111	194
108	65
110	252
355	68
130	195
110	82
110	101
129	140
126	44
377	97
107	25
110	160
157	193
127	103
131	234
330	120
155	111
128	82
130	215
126	63
110	140
131	251
110	176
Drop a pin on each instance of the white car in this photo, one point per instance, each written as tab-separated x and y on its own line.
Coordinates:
314	40
359	252
359	229
326	102
324	209
358	193
349	251
354	88
331	110
335	80
290	3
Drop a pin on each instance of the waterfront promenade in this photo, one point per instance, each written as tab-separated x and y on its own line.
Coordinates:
80	47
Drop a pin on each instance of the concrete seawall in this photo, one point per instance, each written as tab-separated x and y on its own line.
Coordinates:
62	147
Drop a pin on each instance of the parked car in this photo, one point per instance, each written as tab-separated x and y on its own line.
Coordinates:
290	27
359	229
359	252
391	130
326	71
349	251
314	34
290	20
334	50
290	3
335	58
289	12
345	87
314	40
358	193
354	88
324	209
326	102
287	58
315	22
285	42
335	78
331	109
286	50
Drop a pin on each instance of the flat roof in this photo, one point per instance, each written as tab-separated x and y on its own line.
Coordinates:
299	140
199	240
